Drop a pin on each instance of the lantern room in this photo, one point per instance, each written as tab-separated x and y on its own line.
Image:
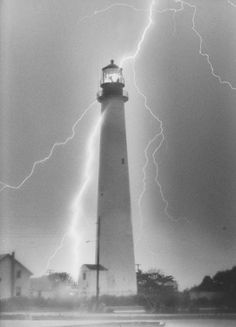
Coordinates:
112	74
112	83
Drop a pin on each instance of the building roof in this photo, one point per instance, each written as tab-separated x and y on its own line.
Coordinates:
111	65
94	267
3	256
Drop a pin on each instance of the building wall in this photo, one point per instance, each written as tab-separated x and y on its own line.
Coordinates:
87	282
114	208
5	277
22	282
21	279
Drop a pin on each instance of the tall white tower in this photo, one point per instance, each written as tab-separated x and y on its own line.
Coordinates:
115	237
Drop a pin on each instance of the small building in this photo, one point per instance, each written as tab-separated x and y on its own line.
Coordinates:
14	277
87	283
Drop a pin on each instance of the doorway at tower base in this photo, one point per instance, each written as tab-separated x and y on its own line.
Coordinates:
87	283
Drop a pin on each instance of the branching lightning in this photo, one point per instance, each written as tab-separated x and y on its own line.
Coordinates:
201	51
139	45
160	133
114	5
157	136
53	255
4	185
46	158
78	213
77	208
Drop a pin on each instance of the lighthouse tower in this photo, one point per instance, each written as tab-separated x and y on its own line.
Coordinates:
115	250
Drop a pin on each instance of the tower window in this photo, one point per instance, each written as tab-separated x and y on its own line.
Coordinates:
18	274
123	161
84	276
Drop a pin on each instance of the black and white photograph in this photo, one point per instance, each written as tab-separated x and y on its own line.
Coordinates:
117	163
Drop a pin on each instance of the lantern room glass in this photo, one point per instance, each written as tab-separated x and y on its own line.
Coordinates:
112	75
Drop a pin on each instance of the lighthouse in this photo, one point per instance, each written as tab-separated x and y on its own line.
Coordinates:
115	249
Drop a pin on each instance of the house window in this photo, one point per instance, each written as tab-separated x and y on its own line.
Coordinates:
18	274
84	276
123	161
0	279
18	291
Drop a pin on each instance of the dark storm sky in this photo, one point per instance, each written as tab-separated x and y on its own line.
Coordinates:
51	56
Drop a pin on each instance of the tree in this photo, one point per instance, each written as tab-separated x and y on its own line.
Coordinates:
207	284
223	283
59	278
159	291
226	280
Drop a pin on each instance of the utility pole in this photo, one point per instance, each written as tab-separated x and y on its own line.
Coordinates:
98	262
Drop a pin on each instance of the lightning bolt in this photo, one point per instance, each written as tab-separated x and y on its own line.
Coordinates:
160	134
103	10
77	208
39	162
201	51
144	33
47	157
78	212
55	252
133	57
